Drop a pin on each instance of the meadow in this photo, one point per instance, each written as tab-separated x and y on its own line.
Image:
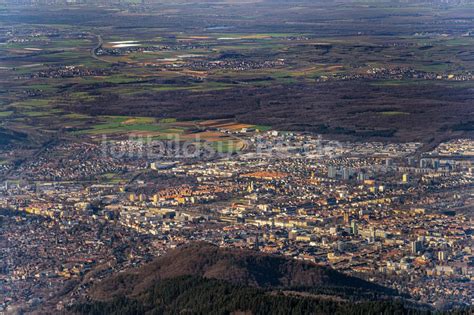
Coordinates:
308	74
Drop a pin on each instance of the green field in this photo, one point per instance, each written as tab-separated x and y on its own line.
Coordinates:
394	113
124	124
6	113
202	63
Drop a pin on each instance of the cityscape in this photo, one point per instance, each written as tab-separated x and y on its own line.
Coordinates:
236	157
377	211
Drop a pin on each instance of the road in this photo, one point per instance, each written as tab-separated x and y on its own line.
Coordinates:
100	42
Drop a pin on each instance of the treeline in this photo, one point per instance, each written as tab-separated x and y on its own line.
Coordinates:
197	295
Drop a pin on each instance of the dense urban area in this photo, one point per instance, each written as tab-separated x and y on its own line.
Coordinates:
337	135
378	211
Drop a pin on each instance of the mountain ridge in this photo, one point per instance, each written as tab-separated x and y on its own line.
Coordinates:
201	278
239	267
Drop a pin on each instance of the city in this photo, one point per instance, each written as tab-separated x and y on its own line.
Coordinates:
236	157
380	212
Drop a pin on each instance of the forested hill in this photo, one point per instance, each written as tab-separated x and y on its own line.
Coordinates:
201	278
240	267
198	295
204	279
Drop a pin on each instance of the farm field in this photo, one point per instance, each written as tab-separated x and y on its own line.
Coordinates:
328	143
68	74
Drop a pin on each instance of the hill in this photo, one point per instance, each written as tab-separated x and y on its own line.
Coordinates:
200	278
198	295
239	267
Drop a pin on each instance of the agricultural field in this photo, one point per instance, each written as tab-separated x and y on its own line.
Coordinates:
85	71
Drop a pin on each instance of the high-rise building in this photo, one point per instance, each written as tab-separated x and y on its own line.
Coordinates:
346	218
354	228
442	256
346	173
405	178
416	247
332	172
250	187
